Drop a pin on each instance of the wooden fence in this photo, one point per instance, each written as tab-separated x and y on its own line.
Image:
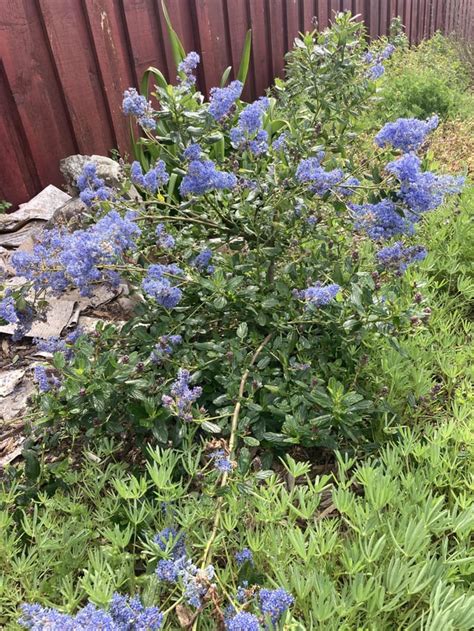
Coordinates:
65	63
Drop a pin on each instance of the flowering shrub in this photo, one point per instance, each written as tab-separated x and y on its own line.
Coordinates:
258	308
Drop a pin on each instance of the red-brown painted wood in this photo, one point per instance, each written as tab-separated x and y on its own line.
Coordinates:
113	61
238	18
276	16
19	178
322	13
292	21
35	90
210	21
261	62
76	64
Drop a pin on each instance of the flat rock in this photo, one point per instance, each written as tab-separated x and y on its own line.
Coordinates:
70	214
107	169
41	207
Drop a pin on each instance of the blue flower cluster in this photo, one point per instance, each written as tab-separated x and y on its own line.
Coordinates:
243	621
280	141
124	614
164	348
381	221
377	68
202	262
244	556
222	99
321	181
406	134
420	190
92	188
8	310
187	67
221	461
318	295
397	257
56	344
158	284
192	152
203	177
165	240
196	582
273	603
182	396
249	133
153	179
135	104
79	259
45	381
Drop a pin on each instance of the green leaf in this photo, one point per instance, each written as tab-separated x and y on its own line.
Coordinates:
212	428
176	46
245	58
242	330
225	76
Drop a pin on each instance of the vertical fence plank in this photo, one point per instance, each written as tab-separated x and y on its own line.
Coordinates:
292	21
239	23
334	7
215	52
358	8
19	179
107	31
306	15
144	35
35	89
383	17
261	50
76	65
322	13
277	30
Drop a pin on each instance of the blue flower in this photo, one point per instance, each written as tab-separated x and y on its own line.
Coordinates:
202	261
166	571
91	187
428	191
192	152
62	259
221	461
244	556
153	179
165	240
248	134
318	295
381	221
165	347
187	66
387	52
158	284
274	603
169	536
202	177
397	256
321	181
39	618
406	168
280	142
135	104
243	621
42	379
375	71
406	134
222	99
182	396
8	310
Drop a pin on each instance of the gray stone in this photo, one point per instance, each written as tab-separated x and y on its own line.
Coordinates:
109	170
70	214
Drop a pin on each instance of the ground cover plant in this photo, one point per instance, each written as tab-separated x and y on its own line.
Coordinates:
297	300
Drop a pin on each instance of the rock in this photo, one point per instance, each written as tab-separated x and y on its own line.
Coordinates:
72	167
70	214
107	169
41	207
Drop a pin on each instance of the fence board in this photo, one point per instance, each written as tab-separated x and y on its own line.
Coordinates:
65	63
36	91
